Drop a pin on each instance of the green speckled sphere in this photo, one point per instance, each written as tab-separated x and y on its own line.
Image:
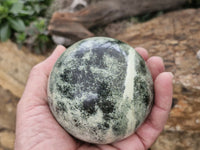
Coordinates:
100	90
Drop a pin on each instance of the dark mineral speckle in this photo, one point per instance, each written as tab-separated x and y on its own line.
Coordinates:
89	105
65	90
142	67
140	87
119	128
61	107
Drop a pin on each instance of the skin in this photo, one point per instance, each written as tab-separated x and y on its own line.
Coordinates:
37	129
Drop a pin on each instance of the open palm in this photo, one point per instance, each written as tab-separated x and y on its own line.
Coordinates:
37	129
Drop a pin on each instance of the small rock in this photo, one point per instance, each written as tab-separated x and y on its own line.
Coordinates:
7	139
61	40
76	4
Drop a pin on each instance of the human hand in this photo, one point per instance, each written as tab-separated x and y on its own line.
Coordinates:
37	129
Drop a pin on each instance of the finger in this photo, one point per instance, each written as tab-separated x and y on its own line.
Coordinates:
143	52
48	64
154	124
155	65
37	81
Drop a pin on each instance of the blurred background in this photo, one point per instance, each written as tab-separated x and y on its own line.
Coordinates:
30	30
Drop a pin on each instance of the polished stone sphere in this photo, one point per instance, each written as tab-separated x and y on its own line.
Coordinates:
100	90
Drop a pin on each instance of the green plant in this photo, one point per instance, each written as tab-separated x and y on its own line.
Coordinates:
35	36
9	18
16	17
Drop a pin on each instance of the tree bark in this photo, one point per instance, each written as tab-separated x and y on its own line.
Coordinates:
76	25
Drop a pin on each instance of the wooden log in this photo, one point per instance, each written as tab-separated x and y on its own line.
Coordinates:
76	25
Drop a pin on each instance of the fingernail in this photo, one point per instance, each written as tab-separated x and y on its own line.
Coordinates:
57	49
171	74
